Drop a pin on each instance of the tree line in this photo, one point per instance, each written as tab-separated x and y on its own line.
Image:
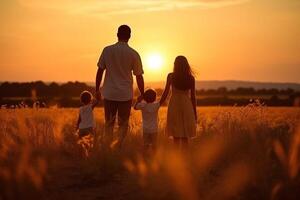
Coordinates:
41	89
73	89
66	94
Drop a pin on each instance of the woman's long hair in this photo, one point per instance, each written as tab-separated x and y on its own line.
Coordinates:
182	73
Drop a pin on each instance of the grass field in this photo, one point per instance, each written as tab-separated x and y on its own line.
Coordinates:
247	152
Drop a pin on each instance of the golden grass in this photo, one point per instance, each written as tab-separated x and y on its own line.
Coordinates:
249	152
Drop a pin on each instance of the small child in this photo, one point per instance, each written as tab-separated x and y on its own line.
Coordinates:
85	123
149	109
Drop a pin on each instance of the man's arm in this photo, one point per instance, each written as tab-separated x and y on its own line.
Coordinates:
138	71
101	67
99	80
96	100
140	83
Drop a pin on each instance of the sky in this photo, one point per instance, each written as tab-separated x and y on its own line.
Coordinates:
61	40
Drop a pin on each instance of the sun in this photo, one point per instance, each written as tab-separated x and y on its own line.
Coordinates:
154	62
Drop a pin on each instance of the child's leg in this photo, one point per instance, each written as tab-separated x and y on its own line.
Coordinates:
149	142
86	140
146	141
154	141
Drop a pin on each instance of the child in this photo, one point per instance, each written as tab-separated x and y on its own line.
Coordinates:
149	109
85	123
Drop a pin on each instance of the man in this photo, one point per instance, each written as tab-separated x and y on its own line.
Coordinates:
119	61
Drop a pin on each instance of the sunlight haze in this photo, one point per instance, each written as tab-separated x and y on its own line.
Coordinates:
61	40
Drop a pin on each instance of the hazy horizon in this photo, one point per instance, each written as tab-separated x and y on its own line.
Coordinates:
211	84
155	81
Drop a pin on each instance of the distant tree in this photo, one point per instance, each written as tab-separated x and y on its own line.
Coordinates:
210	92
273	91
245	91
200	92
287	91
53	90
261	91
274	98
73	88
15	89
222	91
40	88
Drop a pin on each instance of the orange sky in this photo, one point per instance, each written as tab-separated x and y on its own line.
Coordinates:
60	40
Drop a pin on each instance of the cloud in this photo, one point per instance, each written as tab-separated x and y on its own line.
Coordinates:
119	7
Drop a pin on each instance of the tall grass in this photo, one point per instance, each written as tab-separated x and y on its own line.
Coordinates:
249	152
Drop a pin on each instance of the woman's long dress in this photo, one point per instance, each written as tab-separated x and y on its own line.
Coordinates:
181	120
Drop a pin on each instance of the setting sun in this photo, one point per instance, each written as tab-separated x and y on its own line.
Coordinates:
154	62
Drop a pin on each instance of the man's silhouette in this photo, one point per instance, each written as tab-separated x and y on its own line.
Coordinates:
119	61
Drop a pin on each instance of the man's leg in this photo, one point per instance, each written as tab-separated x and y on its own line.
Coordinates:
124	109
110	110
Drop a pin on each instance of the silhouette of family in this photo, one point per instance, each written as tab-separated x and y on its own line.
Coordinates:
120	62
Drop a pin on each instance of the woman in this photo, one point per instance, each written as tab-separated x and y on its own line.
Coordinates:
182	115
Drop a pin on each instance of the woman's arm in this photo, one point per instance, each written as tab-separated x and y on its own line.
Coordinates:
167	89
193	98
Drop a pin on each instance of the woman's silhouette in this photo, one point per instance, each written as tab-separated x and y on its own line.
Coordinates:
182	115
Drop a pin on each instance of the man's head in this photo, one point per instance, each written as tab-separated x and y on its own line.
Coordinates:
124	33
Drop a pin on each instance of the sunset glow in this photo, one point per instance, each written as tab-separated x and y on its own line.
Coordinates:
154	62
61	40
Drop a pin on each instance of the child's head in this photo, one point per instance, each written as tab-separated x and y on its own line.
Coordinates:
86	97
149	96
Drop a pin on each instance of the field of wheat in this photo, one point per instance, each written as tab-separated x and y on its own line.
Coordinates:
250	152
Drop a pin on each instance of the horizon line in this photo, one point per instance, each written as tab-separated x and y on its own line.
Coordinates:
206	80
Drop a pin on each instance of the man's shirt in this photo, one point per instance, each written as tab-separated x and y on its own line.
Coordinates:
119	61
